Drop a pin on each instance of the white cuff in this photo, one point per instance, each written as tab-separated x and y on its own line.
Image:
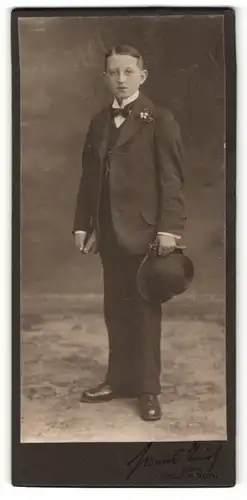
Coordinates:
170	234
80	232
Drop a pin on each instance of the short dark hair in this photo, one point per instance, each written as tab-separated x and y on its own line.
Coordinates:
125	50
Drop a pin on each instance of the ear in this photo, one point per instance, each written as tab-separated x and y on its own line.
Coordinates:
106	80
144	75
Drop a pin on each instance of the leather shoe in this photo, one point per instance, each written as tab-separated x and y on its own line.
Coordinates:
100	393
104	392
149	407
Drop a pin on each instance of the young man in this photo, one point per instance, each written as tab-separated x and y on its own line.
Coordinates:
130	194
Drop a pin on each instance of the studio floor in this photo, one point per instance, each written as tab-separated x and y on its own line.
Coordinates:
64	350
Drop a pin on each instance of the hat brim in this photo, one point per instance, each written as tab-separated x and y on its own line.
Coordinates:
159	279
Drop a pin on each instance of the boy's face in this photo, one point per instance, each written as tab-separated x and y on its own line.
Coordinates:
123	75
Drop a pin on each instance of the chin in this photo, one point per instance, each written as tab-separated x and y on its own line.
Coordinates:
122	94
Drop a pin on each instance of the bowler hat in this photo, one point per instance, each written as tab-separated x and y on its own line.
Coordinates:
159	278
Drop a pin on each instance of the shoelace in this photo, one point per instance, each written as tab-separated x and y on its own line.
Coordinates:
150	399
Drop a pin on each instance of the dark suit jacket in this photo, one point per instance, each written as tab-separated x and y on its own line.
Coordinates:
146	178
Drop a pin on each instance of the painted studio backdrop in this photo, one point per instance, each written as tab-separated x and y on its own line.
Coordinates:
62	86
64	341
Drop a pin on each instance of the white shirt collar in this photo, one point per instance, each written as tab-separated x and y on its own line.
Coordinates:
126	101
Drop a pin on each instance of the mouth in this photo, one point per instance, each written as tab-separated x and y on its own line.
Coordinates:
121	88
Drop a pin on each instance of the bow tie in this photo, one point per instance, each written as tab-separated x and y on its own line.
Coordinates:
121	112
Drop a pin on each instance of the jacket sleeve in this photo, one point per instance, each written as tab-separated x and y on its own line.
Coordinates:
169	162
83	210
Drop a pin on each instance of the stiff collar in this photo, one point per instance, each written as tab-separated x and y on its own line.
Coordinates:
126	101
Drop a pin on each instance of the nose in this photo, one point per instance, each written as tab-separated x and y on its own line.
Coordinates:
121	77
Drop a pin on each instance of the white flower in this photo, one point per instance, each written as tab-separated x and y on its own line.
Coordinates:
146	115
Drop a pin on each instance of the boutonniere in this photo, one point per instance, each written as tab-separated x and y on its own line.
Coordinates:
146	115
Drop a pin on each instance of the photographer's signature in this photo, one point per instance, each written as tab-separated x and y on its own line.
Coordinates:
196	461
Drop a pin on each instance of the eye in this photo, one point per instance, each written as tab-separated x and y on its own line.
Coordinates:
128	71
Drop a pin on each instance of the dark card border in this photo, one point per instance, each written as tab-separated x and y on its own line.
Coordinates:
105	464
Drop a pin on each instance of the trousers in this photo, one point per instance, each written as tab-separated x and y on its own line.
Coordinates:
133	324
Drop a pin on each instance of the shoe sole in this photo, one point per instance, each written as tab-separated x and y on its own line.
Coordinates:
150	419
105	400
88	400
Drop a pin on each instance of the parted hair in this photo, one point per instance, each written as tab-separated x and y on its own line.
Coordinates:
126	50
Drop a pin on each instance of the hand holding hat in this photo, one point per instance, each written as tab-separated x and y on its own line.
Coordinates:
166	243
161	277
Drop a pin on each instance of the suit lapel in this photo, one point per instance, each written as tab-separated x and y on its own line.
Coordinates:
129	128
103	135
132	124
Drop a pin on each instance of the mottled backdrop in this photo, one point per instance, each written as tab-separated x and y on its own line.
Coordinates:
61	62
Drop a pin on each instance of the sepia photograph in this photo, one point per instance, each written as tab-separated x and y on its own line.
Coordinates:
122	172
